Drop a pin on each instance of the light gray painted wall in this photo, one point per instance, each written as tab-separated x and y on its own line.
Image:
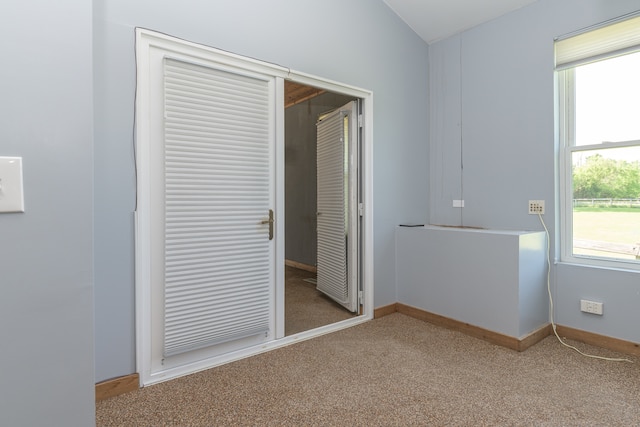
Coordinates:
359	42
445	147
618	290
300	175
504	97
46	261
493	279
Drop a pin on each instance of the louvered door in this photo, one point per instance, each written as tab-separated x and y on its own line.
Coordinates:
337	207
218	258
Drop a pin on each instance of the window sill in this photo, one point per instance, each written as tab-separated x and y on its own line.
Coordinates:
600	265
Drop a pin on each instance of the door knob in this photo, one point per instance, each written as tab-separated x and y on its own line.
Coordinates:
269	221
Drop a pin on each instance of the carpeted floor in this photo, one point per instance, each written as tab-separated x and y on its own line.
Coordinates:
394	371
305	307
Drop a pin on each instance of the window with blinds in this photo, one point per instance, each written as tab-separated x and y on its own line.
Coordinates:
604	41
599	86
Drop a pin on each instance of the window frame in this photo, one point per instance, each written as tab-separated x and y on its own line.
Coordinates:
566	103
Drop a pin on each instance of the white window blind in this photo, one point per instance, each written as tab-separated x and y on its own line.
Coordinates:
332	205
217	174
599	43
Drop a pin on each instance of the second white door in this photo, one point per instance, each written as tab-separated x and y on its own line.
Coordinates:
337	211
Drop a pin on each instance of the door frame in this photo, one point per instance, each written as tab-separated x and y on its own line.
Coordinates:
146	42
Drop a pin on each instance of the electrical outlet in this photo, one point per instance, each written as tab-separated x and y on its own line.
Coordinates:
536	207
592	307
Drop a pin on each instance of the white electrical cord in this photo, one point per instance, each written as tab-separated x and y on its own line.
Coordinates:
553	324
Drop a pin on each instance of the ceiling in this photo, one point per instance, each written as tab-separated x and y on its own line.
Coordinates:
294	93
433	20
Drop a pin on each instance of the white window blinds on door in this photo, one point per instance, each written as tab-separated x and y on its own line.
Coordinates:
217	192
332	207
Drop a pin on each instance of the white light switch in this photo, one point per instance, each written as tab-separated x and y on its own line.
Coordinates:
11	195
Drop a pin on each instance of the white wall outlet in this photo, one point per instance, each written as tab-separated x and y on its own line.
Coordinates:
11	194
458	203
592	307
536	207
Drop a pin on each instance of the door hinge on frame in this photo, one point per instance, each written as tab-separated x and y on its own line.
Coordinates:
359	120
360	209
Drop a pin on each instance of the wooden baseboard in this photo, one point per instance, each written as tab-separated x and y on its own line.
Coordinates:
615	344
385	310
301	266
116	386
476	331
535	337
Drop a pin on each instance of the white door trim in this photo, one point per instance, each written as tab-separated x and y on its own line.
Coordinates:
366	159
146	42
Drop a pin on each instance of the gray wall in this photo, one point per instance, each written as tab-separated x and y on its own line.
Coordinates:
368	46
300	175
46	267
449	271
492	110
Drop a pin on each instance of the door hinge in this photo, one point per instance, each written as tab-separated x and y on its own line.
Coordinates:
359	297
359	120
360	209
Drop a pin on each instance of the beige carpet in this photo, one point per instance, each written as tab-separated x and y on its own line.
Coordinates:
305	307
394	371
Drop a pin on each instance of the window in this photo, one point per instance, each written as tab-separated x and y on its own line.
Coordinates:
598	76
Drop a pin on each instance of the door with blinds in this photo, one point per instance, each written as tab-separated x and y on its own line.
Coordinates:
218	216
208	199
337	206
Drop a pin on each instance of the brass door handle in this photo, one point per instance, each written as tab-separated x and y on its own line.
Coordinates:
269	221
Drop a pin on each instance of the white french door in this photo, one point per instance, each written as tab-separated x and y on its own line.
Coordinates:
216	182
338	219
207	213
210	208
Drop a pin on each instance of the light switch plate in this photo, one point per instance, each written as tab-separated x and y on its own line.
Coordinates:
11	193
